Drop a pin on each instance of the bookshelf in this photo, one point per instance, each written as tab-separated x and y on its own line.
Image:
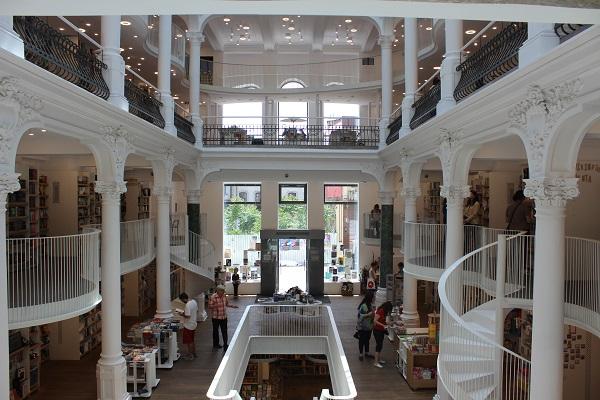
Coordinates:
28	349
76	337
138	291
433	203
33	203
43	205
144	203
95	205
83	201
17	225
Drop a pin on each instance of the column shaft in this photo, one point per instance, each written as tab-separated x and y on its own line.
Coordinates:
387	242
163	258
164	72
194	76
548	304
4	350
386	77
114	75
448	74
410	312
410	72
9	40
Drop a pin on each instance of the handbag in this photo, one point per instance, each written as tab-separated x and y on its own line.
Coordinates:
371	284
356	334
513	215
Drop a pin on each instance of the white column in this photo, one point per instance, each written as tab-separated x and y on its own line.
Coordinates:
455	196
550	197
385	41
448	74
163	252
8	184
410	314
410	72
164	72
9	40
114	75
196	40
111	368
541	38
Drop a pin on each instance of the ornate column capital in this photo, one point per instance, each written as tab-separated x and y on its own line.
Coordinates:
386	198
410	193
551	192
193	196
535	116
9	182
196	37
162	192
110	190
450	143
386	41
455	194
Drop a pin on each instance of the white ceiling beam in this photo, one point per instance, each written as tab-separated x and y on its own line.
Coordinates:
371	39
319	26
267	32
214	40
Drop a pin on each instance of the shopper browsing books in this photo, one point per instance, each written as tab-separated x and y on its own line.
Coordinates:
364	325
190	322
380	329
217	304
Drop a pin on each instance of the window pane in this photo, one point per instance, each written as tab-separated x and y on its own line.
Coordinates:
341	193
246	193
292	216
292	193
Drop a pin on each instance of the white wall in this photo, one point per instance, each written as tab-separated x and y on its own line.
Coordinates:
583	218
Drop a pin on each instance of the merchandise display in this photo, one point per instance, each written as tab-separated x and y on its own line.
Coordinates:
28	350
141	369
417	360
159	333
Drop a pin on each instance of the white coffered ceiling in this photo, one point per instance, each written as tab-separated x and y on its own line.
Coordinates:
258	33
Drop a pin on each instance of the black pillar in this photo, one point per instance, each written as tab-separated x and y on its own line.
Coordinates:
387	243
193	211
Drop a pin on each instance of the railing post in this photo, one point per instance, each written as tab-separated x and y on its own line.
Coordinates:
164	73
541	39
385	41
410	73
9	40
500	280
448	74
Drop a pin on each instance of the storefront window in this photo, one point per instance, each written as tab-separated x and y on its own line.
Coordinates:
241	230
341	232
292	212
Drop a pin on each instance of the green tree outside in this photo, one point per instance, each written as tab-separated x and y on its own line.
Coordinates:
292	216
241	218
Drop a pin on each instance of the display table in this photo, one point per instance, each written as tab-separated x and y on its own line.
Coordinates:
417	361
141	371
161	334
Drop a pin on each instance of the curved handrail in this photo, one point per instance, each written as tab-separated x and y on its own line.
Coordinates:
457	332
194	254
52	278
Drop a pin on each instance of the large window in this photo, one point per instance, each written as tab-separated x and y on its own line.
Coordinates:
341	114
293	116
292	211
242	114
341	232
241	229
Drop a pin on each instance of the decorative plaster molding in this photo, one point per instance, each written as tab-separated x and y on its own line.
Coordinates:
551	192
118	142
386	198
450	142
17	108
110	190
9	182
163	192
193	196
386	40
376	170
410	192
535	116
455	194
195	37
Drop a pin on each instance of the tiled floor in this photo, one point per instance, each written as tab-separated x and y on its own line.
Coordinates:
66	380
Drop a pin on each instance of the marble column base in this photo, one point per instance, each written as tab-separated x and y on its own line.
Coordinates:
112	380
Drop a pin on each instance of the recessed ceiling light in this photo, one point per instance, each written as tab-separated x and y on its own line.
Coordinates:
81	30
96	34
139	64
127	66
150	26
128	57
135	36
121	49
142	58
494	27
470	32
179	35
245	27
349	40
348	20
175	97
125	23
237	44
291	28
43	130
285	19
88	24
420	67
436	68
420	25
61	29
31	134
155	72
226	19
353	30
484	36
428	28
130	48
242	37
468	52
475	44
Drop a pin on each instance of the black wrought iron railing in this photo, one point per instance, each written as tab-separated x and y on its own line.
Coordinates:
394	128
567	31
425	106
493	59
184	128
143	105
309	136
53	51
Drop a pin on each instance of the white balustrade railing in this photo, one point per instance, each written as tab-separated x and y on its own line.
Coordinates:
424	247
472	362
283	329
519	267
52	278
137	244
372	227
194	254
582	283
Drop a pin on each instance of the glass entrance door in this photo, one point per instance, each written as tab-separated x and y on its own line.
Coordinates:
292	264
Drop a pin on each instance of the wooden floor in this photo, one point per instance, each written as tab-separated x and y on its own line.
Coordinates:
69	380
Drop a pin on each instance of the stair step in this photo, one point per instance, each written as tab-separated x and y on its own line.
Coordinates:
486	393
474	381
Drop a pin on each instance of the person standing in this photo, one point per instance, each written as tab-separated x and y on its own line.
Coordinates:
375	220
472	214
380	330
217	304
190	322
365	325
518	214
235	280
373	278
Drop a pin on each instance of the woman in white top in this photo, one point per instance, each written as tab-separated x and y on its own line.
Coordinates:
472	210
